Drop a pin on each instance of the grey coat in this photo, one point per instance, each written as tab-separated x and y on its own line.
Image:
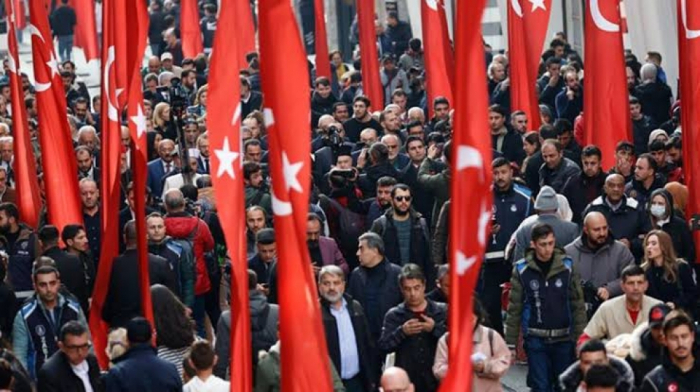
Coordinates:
564	232
603	266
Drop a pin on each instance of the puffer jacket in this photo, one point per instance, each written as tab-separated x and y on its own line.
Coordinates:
602	266
181	225
570	380
645	354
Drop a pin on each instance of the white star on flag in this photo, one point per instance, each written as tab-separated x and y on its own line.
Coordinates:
269	117
140	121
53	64
464	262
226	158
291	171
537	4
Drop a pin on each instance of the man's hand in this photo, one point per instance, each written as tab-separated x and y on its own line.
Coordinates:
478	367
603	293
626	242
362	159
553	80
316	268
428	324
495	228
263	289
412	327
433	151
571	94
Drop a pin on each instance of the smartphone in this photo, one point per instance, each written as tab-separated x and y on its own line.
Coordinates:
418	315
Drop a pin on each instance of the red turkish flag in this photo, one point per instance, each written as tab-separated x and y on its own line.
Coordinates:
606	99
86	28
287	115
439	61
371	83
245	30
689	52
527	28
323	63
24	164
190	33
471	168
224	122
20	13
58	159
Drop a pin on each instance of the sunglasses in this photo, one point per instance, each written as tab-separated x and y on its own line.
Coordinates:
402	198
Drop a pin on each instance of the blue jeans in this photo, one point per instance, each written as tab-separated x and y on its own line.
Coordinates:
65	47
546	361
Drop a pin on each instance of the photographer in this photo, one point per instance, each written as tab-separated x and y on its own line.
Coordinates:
257	192
333	142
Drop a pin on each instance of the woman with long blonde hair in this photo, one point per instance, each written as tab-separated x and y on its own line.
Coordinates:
162	123
670	279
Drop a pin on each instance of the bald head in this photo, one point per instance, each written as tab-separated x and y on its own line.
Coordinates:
614	188
325	121
174	201
396	379
595	227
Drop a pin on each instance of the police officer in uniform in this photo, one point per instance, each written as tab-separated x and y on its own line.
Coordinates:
546	301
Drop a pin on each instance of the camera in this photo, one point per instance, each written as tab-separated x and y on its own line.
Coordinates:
178	97
332	138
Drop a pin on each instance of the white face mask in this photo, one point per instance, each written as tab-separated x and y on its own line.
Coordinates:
658	211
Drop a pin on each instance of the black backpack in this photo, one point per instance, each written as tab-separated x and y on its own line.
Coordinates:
350	223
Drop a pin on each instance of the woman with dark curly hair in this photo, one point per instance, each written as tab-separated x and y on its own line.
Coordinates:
174	328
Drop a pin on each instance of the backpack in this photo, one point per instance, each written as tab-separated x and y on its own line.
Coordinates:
350	223
187	257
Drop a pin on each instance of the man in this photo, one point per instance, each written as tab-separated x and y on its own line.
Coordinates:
81	110
546	302
396	379
375	283
86	167
128	213
551	83
518	121
646	179
655	96
621	315
69	266
368	137
180	225
590	354
382	201
680	370
399	32
412	329
203	166
667	171
208	27
435	178
625	216
7	194
73	367
37	324
340	112
414	56
565	136
624	154
90	198
140	369
349	341
546	206
255	220
569	102
511	205
642	125
441	292
496	74
423	201
123	300
172	46
267	253
322	250
557	171
22	249
392	77
250	100
375	166
390	122
75	239
203	359
63	21
405	233
647	344
393	143
252	151
441	111
503	140
322	99
361	119
588	185
158	168
180	260
598	258
264	319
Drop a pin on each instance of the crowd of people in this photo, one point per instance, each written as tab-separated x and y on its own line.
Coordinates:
589	276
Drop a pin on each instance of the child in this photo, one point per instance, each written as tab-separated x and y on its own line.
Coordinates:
203	359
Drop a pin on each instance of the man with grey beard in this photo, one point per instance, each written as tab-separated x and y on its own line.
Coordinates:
350	345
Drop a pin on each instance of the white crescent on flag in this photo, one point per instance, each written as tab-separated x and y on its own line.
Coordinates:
689	34
515	4
600	20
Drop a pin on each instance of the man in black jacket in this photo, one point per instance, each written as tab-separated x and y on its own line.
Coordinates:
350	345
69	266
70	368
505	141
124	296
412	329
63	21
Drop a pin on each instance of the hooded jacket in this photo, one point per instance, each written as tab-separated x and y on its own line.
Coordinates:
645	354
675	226
668	377
181	225
570	380
603	266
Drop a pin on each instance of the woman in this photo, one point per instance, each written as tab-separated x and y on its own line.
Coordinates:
174	328
117	345
679	195
341	68
662	217
490	358
531	144
200	102
153	139
670	279
162	123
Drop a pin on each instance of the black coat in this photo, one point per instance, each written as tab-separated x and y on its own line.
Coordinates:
57	375
366	349
656	100
255	102
423	200
368	180
72	274
124	296
512	147
683	292
140	369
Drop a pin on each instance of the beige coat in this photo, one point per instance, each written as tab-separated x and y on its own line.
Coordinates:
496	365
612	318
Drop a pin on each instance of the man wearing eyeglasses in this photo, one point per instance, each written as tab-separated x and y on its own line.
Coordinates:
405	233
73	367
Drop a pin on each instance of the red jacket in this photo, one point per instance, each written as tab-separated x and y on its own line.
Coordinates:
181	225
